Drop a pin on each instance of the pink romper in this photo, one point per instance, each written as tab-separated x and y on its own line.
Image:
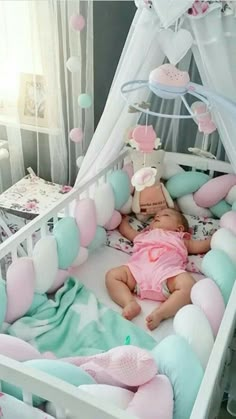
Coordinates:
158	255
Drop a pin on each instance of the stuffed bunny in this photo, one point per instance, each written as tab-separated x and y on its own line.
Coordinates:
150	195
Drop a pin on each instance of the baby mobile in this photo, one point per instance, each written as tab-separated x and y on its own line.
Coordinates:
73	64
175	43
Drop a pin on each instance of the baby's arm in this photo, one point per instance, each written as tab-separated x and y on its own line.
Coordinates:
198	246
126	230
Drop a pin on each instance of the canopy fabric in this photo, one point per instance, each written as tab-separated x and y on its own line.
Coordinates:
214	50
109	136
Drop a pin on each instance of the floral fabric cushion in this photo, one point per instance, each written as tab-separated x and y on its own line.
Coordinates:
200	228
31	196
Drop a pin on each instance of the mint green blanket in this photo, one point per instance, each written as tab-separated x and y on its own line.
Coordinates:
76	323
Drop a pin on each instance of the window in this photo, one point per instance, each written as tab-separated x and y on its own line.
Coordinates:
19	49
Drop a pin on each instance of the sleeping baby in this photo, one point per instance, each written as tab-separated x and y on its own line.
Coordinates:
157	267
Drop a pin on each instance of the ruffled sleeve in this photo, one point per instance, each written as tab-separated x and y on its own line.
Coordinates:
186	235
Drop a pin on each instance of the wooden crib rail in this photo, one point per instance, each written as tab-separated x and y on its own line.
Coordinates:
199	163
25	233
212	387
14	243
80	404
64	395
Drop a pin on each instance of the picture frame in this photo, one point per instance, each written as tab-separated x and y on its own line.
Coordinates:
32	102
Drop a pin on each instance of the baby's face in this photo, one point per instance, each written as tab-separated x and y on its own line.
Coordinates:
167	220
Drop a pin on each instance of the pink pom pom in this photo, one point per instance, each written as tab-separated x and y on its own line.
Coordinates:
77	22
145	136
114	221
76	135
59	280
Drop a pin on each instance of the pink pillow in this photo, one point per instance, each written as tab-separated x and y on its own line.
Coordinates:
154	399
124	366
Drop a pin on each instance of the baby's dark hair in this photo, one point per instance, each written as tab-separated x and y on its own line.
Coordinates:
182	219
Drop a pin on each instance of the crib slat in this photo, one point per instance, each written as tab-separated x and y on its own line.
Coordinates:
14	254
101	180
2	266
43	230
120	165
60	413
27	398
29	245
67	211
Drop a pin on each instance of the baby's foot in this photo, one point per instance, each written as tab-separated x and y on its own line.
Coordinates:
131	310
153	320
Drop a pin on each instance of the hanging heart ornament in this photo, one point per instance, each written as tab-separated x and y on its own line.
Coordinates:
175	45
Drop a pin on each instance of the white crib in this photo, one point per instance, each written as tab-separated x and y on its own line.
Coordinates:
76	401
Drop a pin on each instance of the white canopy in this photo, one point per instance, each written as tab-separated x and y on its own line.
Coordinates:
214	50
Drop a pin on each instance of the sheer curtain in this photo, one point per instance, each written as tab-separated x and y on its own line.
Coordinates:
36	41
140	55
72	84
214	50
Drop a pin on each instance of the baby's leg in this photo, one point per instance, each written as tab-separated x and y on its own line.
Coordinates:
121	284
180	289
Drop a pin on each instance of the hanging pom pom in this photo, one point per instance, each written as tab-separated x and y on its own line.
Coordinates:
144	136
77	22
73	64
84	100
79	161
76	135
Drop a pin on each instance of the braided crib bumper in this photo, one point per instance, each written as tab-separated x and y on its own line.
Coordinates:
198	194
73	238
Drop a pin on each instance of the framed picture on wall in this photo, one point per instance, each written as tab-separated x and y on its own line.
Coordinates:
32	102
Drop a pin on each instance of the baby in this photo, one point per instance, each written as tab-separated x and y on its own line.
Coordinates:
157	267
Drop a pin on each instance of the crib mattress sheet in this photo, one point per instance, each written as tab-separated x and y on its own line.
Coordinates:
92	274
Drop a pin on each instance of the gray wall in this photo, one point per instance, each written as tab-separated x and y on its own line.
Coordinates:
112	20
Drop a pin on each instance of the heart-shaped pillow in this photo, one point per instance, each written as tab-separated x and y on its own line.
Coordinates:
175	45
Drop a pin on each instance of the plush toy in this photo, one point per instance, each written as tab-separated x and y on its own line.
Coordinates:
150	195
